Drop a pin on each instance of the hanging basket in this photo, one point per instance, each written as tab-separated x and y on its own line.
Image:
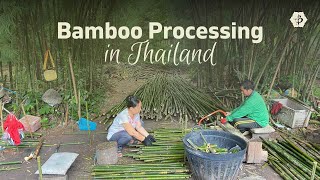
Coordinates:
49	74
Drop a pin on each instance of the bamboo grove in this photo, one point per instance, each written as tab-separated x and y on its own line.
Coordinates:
286	55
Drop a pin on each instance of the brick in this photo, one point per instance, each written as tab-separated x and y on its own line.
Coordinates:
31	123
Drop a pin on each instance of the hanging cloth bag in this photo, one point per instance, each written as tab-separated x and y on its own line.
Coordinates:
49	74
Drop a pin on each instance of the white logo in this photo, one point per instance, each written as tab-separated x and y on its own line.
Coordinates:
298	19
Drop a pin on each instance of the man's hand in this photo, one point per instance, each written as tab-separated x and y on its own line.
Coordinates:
147	142
223	120
228	113
151	138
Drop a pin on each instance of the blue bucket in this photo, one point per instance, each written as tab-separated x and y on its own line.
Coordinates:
209	166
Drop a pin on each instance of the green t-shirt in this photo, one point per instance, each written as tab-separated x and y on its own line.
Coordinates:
254	108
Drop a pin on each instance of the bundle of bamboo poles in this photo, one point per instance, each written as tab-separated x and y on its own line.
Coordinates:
168	148
167	97
163	160
7	168
32	142
294	158
141	171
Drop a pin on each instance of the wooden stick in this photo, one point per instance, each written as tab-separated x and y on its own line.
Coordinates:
73	80
5	109
1	117
66	115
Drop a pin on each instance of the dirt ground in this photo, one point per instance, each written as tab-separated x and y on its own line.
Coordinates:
81	168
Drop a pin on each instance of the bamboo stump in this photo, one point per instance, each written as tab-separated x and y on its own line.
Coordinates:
255	154
106	153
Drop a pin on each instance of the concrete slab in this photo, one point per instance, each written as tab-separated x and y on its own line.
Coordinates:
54	177
58	163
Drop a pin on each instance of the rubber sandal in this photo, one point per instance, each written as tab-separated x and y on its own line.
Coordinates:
119	153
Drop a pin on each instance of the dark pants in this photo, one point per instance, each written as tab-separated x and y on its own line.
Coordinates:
245	124
122	138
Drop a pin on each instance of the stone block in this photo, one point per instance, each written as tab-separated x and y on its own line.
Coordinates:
106	153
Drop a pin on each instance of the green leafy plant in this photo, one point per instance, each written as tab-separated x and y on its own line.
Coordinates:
46	109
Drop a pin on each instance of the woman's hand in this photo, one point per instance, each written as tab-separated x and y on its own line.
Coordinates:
147	141
132	132
151	138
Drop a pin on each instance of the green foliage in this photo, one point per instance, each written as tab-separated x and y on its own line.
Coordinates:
315	115
31	103
9	11
92	99
46	109
316	91
45	123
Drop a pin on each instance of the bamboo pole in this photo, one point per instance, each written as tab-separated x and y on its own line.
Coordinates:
314	168
79	105
66	115
1	116
278	66
73	80
88	126
39	168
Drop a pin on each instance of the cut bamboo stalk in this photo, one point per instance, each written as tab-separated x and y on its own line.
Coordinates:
36	152
39	168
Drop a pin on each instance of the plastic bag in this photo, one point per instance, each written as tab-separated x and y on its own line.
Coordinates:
6	137
85	125
13	130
